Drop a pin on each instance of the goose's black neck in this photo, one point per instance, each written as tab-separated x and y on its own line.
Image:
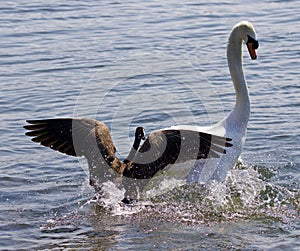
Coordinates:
139	135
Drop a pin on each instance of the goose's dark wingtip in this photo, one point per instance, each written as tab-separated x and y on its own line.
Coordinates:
227	144
27	127
34	124
30	123
27	133
34	121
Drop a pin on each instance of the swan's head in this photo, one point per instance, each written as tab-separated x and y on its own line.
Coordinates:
245	31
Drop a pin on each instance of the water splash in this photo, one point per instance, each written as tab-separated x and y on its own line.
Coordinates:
247	193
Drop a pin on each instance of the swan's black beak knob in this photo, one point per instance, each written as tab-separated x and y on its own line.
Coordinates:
252	45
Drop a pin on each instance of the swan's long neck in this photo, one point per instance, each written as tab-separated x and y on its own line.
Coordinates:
241	111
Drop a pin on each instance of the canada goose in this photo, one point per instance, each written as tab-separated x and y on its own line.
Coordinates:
92	139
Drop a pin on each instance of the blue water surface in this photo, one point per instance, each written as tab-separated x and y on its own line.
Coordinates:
154	64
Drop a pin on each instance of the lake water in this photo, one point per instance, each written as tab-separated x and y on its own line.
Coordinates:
153	64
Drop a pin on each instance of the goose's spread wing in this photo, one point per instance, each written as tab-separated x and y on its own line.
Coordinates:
92	139
169	146
77	137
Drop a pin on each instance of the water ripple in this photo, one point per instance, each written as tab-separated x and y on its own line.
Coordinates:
88	58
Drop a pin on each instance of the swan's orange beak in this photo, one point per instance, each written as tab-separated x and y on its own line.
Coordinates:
252	45
251	50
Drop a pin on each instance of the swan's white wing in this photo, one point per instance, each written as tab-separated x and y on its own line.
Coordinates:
217	129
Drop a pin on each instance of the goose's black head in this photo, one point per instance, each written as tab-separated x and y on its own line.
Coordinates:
140	133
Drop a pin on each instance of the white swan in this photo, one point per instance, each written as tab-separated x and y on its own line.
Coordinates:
234	125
